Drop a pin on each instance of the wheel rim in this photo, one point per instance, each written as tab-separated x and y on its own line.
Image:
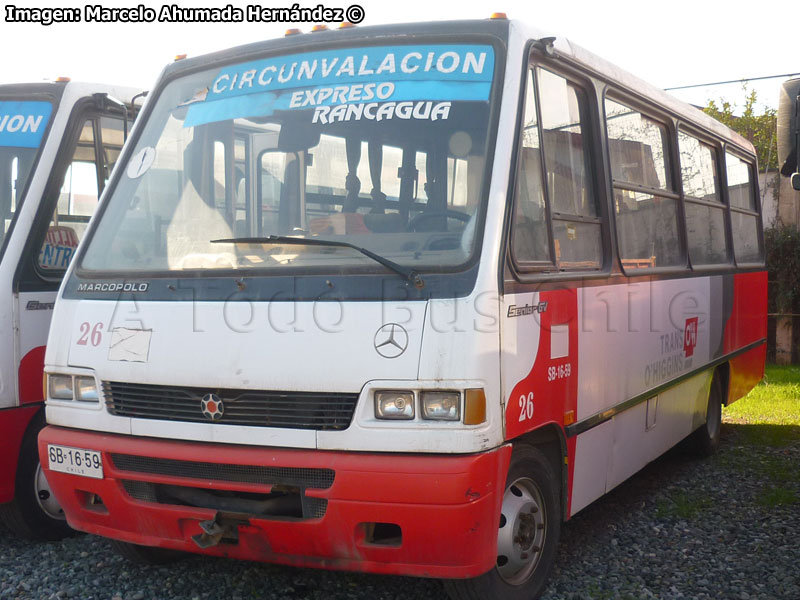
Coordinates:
45	497
523	527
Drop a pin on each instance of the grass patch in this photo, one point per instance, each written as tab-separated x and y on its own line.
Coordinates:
682	505
780	469
771	410
774	401
777	496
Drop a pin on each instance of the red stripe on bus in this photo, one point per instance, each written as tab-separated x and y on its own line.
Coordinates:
31	371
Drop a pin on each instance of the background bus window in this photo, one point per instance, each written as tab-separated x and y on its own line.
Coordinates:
705	213
576	223
744	215
645	203
84	180
15	168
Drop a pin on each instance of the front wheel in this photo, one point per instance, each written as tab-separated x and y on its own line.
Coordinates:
527	536
34	513
705	440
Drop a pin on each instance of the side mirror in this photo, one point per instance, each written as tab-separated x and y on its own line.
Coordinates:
796	181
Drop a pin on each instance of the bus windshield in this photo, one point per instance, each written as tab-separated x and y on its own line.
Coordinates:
381	147
22	127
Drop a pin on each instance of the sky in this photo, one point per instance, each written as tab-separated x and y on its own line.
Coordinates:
681	42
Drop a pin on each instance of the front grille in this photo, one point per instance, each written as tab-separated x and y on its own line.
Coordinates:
140	490
291	410
292	503
287	476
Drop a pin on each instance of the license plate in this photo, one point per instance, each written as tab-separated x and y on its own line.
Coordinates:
75	461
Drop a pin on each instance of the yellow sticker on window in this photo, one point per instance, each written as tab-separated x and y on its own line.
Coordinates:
572	232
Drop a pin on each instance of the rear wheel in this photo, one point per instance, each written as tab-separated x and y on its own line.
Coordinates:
527	537
34	512
705	440
145	555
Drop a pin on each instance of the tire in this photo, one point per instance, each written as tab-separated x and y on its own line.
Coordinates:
34	512
145	555
705	440
531	510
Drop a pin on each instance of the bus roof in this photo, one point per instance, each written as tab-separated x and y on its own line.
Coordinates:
77	88
639	87
500	28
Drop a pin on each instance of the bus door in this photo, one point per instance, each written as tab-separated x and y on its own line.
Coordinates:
71	195
556	230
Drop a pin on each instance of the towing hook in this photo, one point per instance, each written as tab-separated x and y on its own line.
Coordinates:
215	531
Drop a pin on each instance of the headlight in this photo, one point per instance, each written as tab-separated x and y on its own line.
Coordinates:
441	406
60	387
86	389
394	405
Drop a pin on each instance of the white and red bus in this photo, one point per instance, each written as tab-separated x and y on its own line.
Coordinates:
58	143
399	299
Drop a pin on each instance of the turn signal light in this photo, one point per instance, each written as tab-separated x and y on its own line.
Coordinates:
474	407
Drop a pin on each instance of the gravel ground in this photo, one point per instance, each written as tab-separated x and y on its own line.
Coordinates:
725	527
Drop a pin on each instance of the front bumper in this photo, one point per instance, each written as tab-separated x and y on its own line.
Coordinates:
447	507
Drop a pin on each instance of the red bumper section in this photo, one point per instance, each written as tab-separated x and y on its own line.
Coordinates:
430	516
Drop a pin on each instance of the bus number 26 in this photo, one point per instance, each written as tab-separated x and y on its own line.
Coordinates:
89	334
525	407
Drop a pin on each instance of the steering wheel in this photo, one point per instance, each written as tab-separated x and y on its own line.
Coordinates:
413	224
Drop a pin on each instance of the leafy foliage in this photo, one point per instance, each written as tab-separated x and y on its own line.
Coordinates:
759	129
782	244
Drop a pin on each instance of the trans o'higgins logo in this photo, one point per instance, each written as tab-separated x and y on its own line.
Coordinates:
113	287
690	337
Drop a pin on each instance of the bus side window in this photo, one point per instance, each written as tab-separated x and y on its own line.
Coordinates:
84	179
566	187
576	220
705	213
645	203
530	240
744	210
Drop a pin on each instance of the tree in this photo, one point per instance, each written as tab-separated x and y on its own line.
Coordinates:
759	129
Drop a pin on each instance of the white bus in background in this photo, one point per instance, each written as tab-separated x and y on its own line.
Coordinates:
58	144
399	299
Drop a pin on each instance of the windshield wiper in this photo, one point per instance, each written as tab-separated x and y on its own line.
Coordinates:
410	274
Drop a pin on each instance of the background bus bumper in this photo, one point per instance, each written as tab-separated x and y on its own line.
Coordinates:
446	507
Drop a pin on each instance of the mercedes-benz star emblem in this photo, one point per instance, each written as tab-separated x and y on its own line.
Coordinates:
212	407
391	340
